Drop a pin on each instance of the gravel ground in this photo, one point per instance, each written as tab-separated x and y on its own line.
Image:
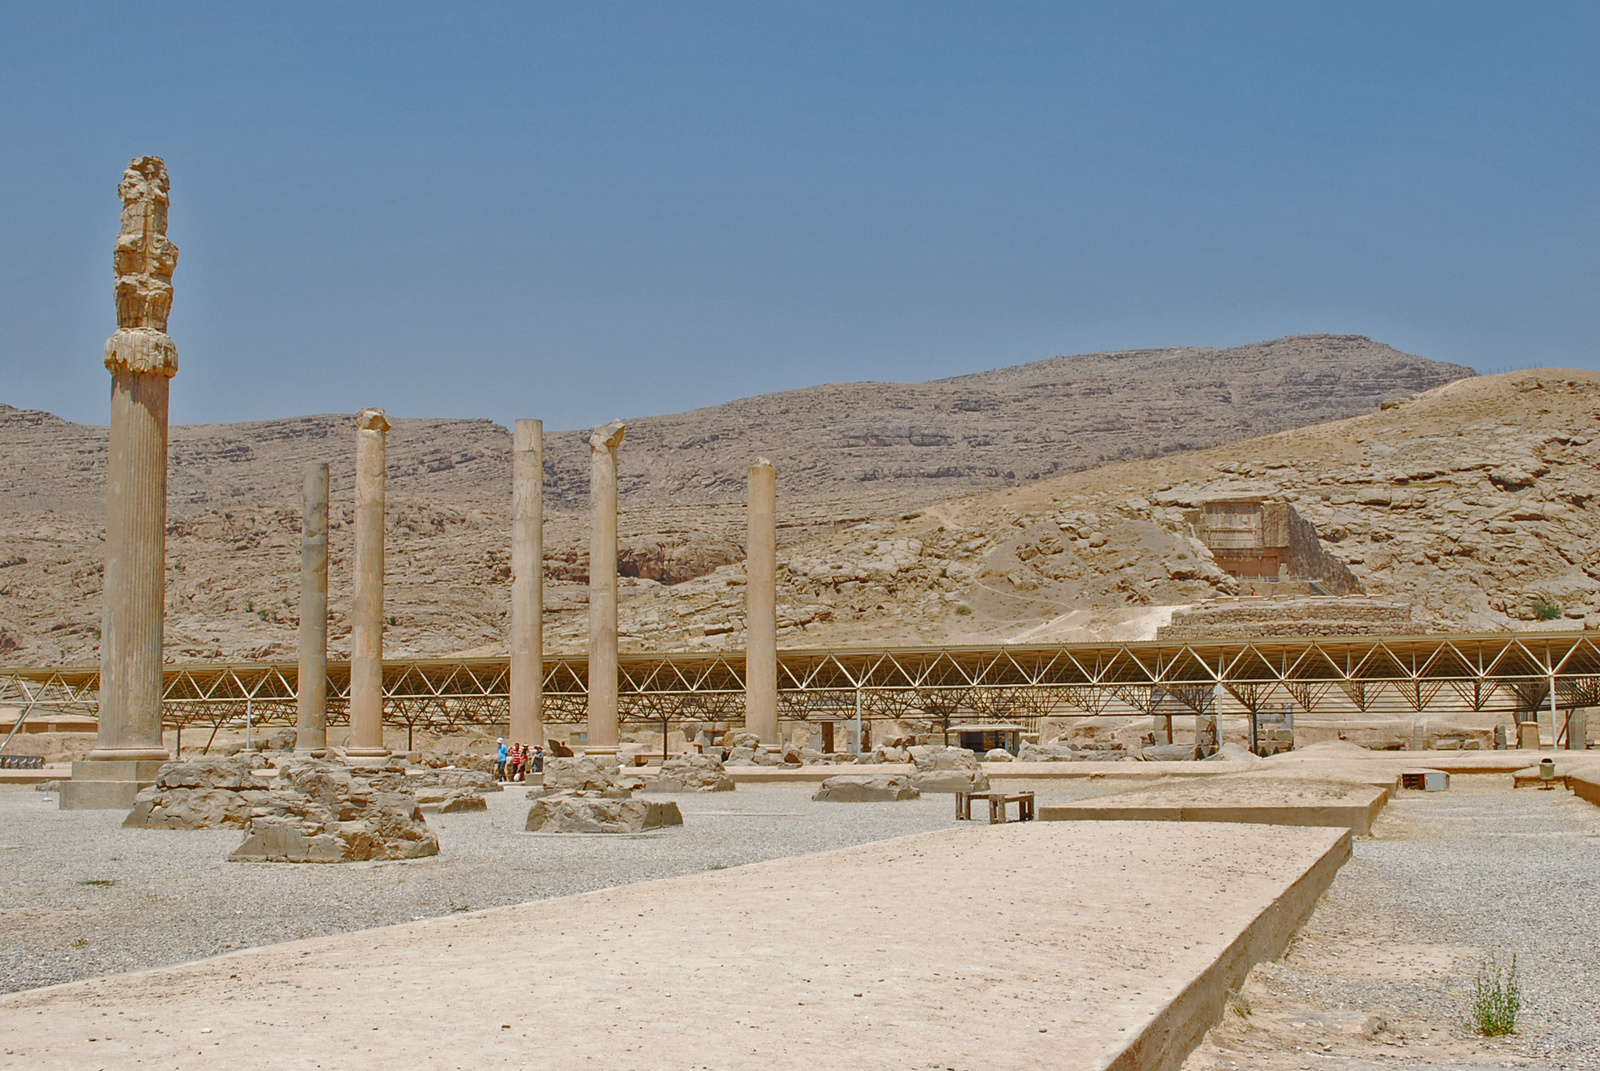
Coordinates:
1446	879
169	895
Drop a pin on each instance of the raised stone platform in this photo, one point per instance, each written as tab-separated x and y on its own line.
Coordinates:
1070	946
1585	783
1240	798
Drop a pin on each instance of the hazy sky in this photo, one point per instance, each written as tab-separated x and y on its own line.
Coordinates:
580	211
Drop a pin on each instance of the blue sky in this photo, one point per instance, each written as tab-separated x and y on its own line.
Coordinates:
580	211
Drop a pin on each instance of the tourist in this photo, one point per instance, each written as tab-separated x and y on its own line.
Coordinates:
501	752
538	758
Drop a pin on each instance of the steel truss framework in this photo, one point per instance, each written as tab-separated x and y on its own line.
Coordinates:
1396	676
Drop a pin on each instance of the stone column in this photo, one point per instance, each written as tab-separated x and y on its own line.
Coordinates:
527	582
366	637
141	359
603	443
761	606
312	689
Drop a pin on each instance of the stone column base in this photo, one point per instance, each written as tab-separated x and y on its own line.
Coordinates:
107	785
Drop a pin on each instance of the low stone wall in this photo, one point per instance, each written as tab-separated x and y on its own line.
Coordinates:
1288	617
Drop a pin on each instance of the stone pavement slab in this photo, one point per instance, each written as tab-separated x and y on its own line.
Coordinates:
1237	798
1066	945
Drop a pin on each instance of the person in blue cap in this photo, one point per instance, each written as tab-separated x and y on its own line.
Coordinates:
500	759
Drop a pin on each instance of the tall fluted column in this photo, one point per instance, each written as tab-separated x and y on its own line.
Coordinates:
761	606
603	443
141	359
366	638
312	689
527	582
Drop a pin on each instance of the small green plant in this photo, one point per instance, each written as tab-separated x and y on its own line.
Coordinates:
82	942
1546	611
963	609
1496	998
460	907
104	883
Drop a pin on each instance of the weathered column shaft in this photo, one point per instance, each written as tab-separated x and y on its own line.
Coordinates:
135	581
366	638
603	443
761	606
312	689
527	582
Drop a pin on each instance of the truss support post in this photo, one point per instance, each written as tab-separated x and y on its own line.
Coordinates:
527	583
1555	718
761	606
311	678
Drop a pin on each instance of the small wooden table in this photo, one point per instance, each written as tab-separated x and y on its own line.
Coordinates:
997	805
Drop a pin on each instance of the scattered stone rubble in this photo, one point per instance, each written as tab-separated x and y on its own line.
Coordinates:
316	812
324	813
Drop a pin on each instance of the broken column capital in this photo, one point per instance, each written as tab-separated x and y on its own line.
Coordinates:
143	262
372	420
607	436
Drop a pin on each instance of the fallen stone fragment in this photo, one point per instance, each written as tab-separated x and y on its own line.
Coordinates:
438	800
950	780
691	773
199	794
585	813
586	774
477	780
857	788
1169	753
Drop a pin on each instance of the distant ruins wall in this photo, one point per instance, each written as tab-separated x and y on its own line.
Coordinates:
1248	618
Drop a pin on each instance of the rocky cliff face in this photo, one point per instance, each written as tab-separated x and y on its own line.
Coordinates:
852	460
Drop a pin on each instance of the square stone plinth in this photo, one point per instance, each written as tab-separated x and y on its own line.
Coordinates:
107	785
1093	946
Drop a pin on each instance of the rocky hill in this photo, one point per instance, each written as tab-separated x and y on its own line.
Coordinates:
848	455
1472	507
